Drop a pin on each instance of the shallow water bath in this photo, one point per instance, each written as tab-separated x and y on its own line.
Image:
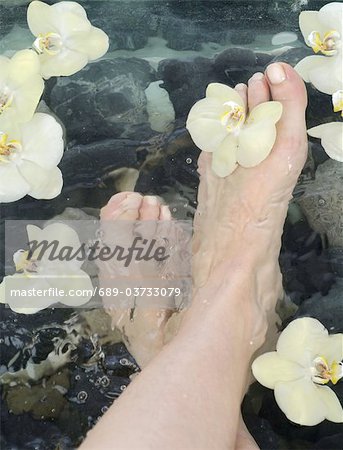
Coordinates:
124	126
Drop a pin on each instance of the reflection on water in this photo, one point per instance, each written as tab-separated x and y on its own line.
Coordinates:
60	369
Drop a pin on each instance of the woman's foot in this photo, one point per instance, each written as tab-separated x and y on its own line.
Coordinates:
244	213
142	327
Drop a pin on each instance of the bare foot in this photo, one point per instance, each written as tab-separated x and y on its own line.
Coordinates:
142	328
245	212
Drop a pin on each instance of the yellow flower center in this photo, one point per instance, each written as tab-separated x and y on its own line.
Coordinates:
337	101
8	149
328	45
233	117
322	372
23	263
49	43
6	99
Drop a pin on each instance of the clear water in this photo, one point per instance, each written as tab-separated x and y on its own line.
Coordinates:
116	141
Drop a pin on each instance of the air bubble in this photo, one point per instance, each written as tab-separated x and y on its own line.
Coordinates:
124	362
105	381
104	409
189	160
82	396
122	387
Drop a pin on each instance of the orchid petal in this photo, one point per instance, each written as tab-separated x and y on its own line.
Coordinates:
65	63
223	93
44	184
255	143
25	304
27	99
65	275
13	185
60	236
206	108
207	134
305	403
23	66
331	135
331	15
309	21
334	410
270	368
302	340
325	73
42	139
333	350
224	158
271	111
94	43
40	18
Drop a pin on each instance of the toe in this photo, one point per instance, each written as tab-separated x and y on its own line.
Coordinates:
287	87
165	213
242	89
122	206
150	208
258	90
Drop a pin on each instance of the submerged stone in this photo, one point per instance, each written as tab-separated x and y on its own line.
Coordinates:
104	100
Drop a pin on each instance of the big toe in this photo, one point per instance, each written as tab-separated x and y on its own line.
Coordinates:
287	87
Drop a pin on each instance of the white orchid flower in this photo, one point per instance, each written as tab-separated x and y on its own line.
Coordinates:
58	279
29	154
306	359
323	32
331	135
66	40
21	85
218	124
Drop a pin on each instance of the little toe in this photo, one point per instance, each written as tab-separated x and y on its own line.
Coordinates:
258	90
165	213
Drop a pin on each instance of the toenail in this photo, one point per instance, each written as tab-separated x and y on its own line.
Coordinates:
276	73
240	86
151	200
258	76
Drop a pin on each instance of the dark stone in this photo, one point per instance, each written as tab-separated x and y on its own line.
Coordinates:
185	81
235	65
330	442
319	109
128	24
304	263
106	99
328	309
173	174
263	59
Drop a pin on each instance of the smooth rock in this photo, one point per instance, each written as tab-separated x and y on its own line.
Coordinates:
327	309
186	81
105	99
159	107
283	38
